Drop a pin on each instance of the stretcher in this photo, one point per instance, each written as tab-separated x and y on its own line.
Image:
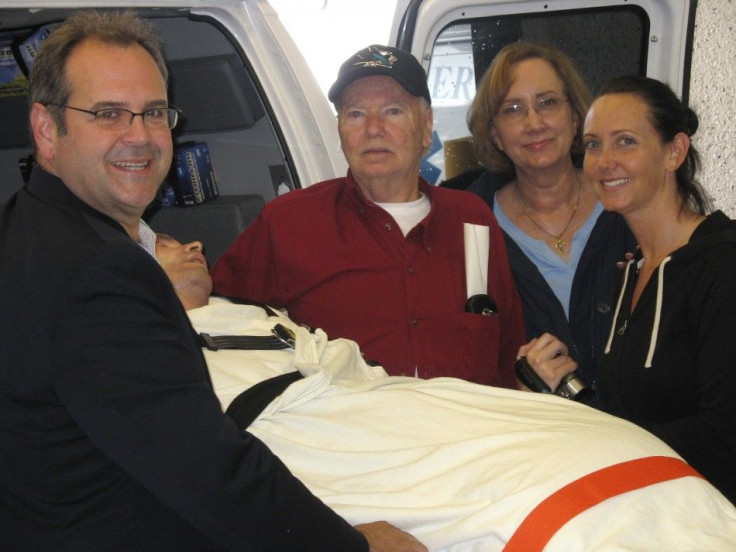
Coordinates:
463	467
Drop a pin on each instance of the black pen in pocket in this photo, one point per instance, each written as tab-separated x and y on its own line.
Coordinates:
481	304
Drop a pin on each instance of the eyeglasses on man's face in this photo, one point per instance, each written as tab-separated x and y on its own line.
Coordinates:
118	118
548	105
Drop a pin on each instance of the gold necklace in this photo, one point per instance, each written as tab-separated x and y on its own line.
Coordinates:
560	244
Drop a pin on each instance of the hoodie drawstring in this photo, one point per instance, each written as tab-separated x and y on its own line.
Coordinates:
657	313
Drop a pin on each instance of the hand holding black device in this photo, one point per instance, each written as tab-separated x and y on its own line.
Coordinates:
571	386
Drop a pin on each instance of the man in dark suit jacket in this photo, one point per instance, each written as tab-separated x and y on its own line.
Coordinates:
111	437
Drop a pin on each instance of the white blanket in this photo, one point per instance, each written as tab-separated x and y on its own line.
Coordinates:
458	465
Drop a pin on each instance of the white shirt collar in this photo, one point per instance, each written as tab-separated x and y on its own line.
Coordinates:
147	238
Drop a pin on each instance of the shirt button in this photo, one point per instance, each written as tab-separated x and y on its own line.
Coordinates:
428	249
603	308
411	270
414	321
388	226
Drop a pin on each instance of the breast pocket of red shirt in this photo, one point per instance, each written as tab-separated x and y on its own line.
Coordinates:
467	346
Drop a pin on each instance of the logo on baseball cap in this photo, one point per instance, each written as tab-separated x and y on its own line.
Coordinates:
378	60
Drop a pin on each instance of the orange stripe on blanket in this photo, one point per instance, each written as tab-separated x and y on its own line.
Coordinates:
557	509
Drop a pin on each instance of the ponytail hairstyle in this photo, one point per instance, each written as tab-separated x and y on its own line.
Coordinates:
669	116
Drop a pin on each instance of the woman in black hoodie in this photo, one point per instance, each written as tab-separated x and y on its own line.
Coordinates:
670	361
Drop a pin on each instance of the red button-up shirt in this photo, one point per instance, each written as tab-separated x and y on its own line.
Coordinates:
337	261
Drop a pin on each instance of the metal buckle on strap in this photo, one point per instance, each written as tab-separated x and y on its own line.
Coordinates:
284	334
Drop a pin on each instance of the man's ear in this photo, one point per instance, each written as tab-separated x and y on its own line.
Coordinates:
428	127
45	132
678	151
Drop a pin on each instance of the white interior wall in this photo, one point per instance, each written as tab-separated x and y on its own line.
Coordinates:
713	97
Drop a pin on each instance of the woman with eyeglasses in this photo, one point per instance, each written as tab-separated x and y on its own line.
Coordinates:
670	361
526	122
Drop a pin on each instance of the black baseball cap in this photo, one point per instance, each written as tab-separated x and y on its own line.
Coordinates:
378	60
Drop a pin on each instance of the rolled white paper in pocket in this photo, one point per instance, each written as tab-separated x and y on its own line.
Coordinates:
476	238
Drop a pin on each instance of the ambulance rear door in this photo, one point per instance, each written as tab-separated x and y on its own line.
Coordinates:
457	39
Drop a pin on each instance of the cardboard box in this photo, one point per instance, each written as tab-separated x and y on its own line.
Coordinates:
25	50
194	181
12	80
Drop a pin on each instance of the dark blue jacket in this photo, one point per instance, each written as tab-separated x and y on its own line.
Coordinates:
593	288
111	437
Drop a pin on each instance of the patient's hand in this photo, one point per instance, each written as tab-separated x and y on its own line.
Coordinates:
384	537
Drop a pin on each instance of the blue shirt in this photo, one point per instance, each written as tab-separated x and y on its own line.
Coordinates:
558	273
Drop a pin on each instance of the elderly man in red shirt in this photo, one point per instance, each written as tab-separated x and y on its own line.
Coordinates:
378	256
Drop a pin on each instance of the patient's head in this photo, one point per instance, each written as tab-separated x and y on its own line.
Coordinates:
186	267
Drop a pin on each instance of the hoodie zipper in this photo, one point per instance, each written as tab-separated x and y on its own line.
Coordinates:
621	309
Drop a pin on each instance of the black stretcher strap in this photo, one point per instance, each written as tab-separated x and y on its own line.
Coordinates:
281	338
250	403
248	342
